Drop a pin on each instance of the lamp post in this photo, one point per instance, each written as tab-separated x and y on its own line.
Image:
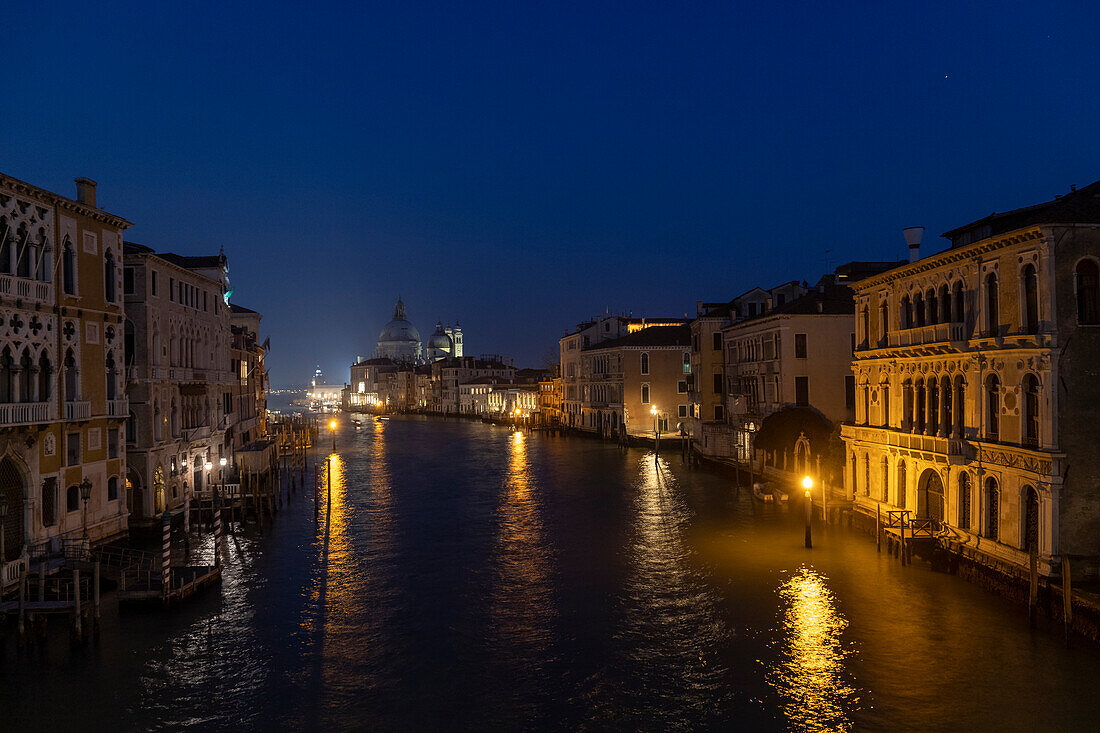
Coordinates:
3	516
85	494
808	484
656	432
332	427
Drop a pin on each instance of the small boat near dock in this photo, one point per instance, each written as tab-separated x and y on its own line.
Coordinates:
762	493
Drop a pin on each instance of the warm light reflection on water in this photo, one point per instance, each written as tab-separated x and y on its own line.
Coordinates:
810	675
521	607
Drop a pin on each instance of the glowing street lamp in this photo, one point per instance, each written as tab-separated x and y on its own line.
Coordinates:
85	495
332	427
808	485
656	433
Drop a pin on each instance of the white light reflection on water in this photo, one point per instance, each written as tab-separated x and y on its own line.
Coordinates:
671	624
810	674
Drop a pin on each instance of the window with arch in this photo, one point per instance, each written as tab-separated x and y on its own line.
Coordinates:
992	305
964	500
1030	534
866	389
112	379
112	488
7	376
865	321
1030	282
1087	278
959	405
884	390
5	247
68	268
884	322
901	484
885	479
645	394
24	252
645	363
867	474
72	378
960	302
905	313
26	377
918	310
933	308
855	476
45	377
992	508
945	304
1031	410
992	406
72	498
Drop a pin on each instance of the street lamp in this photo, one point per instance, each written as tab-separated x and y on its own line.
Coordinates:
808	484
85	494
332	427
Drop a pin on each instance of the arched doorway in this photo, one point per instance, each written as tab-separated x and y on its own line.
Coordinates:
158	490
11	486
930	495
135	498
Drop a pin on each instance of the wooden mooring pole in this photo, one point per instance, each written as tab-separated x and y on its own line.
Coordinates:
78	629
95	598
166	554
1033	587
1067	597
878	528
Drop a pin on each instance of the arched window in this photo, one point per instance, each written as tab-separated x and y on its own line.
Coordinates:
45	258
645	363
933	406
45	378
109	276
7	376
945	304
5	247
68	268
1031	520
933	309
23	252
866	319
1088	293
72	378
128	343
902	487
885	479
866	390
131	429
992	406
964	500
645	396
884	320
905	313
112	488
867	473
960	303
112	380
992	508
884	390
72	499
921	399
992	306
945	406
959	422
26	377
1031	410
907	405
1031	299
918	310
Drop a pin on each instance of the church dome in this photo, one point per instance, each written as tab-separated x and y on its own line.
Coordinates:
399	329
440	340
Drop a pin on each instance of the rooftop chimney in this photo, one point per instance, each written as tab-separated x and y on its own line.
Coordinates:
85	191
912	238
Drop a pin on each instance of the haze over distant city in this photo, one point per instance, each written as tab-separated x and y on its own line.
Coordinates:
518	168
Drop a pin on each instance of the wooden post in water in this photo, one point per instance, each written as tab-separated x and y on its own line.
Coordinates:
1067	597
95	598
901	548
878	527
77	627
22	595
217	530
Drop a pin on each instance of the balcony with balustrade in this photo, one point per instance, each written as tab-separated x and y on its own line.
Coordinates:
34	291
78	410
25	413
118	408
933	334
954	449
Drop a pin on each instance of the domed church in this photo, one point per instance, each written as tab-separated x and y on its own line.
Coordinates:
400	340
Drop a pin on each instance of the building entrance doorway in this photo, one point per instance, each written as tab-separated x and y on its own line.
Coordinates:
930	496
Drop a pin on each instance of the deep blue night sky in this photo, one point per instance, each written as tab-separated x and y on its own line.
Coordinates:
522	166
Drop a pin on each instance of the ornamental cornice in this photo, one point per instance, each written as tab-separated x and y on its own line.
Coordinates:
950	256
31	191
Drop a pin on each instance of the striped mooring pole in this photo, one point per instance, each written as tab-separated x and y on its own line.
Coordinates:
217	529
166	552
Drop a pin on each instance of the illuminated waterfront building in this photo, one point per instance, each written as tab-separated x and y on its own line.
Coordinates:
249	398
62	401
976	388
180	383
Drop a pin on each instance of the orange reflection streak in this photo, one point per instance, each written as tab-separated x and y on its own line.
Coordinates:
810	673
521	603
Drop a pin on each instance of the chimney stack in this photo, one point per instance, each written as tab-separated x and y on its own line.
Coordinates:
912	238
85	191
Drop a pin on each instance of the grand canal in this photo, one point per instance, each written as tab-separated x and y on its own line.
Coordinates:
464	576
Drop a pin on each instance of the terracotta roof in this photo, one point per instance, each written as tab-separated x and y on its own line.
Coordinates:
650	336
1081	206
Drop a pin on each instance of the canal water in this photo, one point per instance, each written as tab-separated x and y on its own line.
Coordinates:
466	577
